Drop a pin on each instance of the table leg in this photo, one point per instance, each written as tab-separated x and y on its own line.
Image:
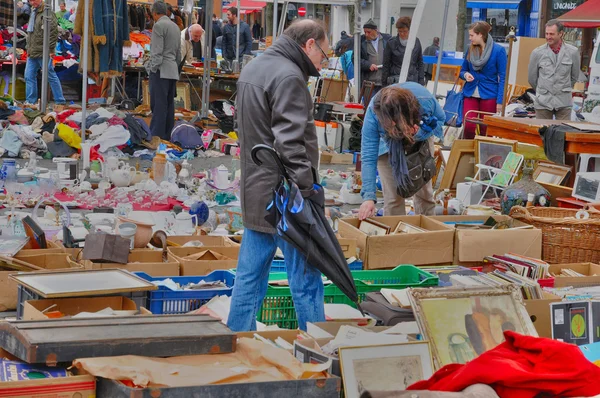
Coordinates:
139	85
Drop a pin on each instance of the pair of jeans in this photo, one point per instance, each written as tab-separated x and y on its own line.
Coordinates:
34	65
252	277
162	104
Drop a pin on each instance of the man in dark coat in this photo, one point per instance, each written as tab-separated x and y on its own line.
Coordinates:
372	47
431	51
228	45
346	43
273	107
217	31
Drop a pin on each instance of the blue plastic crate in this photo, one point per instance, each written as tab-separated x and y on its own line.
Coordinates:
279	266
168	301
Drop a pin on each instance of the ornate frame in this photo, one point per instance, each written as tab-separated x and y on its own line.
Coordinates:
417	295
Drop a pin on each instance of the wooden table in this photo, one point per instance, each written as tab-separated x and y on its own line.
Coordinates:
525	130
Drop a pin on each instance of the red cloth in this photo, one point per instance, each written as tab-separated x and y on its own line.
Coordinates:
522	367
64	115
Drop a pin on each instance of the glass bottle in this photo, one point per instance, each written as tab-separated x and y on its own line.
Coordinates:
517	193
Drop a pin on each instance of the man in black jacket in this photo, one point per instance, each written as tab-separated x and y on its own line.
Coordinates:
372	47
394	56
273	107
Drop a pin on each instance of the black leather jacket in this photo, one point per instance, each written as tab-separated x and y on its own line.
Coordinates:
392	63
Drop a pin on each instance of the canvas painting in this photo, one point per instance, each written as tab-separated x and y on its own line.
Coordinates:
387	368
461	327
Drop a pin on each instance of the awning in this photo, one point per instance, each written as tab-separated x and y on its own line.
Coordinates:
502	4
587	15
245	6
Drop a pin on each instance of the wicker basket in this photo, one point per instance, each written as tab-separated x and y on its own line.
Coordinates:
565	239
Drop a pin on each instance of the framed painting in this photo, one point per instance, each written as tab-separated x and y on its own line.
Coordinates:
460	324
492	152
550	173
374	228
385	368
183	98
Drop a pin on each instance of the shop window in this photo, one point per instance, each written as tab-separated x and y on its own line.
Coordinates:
501	20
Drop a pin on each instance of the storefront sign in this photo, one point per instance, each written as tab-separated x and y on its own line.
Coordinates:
560	7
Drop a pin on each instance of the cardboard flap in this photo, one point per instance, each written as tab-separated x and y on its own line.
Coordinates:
474	245
207	255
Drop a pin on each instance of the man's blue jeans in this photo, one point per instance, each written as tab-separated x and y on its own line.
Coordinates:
252	277
31	87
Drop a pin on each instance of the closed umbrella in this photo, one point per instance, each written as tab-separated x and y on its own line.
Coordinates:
302	223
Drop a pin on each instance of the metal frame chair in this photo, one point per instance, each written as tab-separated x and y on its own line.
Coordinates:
499	178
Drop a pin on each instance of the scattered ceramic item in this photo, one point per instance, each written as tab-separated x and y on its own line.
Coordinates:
144	229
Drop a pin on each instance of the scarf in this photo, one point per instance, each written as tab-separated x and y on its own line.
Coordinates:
429	126
404	42
479	60
31	23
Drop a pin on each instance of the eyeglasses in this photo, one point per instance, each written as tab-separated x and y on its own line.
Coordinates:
322	52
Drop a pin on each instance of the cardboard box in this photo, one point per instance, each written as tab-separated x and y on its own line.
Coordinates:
472	245
348	247
591	270
64	387
36	252
210	261
19	371
337	158
205	239
539	312
32	309
576	322
436	246
50	261
142	260
8	288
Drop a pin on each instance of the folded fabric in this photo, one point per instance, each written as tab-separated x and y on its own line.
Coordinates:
553	138
96	130
61	117
76	117
111	137
522	367
101	112
11	143
37	124
116	121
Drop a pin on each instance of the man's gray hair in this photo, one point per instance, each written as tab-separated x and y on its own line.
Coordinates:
301	30
555	22
159	8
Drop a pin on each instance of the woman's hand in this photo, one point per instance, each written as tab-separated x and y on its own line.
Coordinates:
498	108
469	77
367	209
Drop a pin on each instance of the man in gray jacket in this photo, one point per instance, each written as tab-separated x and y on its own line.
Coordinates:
275	108
553	71
163	69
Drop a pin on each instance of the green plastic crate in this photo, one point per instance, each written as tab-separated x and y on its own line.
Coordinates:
278	307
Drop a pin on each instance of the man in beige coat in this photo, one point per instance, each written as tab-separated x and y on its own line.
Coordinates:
553	71
189	36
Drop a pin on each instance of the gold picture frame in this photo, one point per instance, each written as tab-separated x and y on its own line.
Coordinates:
462	323
182	100
374	228
460	164
389	367
405	228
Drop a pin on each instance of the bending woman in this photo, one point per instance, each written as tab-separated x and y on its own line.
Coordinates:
484	70
398	117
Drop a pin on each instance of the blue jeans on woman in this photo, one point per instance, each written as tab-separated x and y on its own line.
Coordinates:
252	280
31	87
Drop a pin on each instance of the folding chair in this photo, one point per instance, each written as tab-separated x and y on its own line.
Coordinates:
497	179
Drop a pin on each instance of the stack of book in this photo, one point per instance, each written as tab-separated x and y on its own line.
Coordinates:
524	266
530	288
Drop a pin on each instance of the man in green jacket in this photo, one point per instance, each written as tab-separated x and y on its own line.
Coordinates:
35	53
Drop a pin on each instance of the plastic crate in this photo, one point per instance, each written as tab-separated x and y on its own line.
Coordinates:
279	266
24	294
168	301
278	306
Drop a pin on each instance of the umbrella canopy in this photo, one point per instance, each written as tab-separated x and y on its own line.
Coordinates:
587	15
302	223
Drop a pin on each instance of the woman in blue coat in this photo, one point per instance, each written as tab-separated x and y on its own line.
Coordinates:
484	70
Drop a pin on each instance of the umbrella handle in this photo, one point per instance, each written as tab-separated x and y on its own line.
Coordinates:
274	155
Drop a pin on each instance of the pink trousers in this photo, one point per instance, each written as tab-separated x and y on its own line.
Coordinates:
476	104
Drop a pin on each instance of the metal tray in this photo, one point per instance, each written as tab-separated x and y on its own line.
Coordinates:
60	284
310	388
63	340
